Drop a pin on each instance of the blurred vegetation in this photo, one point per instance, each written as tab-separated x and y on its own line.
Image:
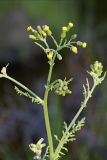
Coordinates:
22	122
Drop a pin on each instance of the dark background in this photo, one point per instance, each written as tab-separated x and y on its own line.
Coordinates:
22	122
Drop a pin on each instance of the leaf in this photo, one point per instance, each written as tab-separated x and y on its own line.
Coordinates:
68	135
26	94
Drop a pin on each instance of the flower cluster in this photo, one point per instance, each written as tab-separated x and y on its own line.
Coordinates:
40	33
79	43
66	29
97	68
50	53
96	72
37	148
70	44
61	87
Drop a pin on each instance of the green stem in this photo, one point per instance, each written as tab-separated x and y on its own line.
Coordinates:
55	42
24	87
82	107
39	45
46	115
46	43
60	42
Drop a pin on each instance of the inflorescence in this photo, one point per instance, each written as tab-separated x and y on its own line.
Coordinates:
40	34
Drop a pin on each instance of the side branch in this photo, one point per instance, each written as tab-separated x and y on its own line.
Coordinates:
4	75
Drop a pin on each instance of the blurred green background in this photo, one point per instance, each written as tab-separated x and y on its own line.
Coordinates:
22	122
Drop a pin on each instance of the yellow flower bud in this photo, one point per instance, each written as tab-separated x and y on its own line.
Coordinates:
50	55
46	28
70	24
63	35
49	33
74	49
43	33
39	29
29	28
64	29
32	37
84	44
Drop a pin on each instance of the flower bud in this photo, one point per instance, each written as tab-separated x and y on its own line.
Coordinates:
65	88
46	28
63	35
43	33
59	57
30	29
49	33
36	34
64	29
32	37
79	43
70	24
74	49
84	44
39	29
74	36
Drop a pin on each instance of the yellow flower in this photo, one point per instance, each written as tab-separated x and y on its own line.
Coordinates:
84	44
50	55
70	24
74	49
46	28
64	29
